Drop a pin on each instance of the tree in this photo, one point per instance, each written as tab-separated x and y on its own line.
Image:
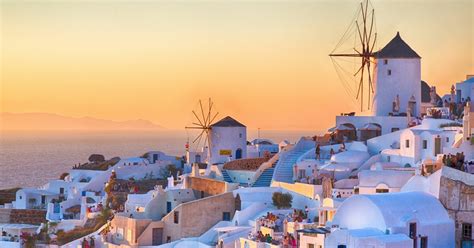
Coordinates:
96	158
282	200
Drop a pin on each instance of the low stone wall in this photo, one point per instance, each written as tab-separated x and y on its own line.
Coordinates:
457	196
207	185
23	216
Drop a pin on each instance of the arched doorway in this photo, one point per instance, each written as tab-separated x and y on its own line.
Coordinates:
369	131
346	132
238	154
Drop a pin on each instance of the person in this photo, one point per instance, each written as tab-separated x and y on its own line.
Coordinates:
293	242
269	238
318	152
85	244
306	210
332	152
92	242
286	242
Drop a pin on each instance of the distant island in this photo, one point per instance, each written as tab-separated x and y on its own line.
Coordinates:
48	121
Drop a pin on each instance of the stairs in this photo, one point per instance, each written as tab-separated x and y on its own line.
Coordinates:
284	167
265	178
226	176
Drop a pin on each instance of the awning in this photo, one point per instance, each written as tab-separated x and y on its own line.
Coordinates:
343	127
370	126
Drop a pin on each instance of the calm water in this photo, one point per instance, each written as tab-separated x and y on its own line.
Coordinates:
30	159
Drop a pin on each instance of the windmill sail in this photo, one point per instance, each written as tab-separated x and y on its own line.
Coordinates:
363	31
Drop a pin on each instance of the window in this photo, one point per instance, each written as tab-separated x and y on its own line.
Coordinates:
425	144
61	191
176	217
407	143
394	129
168	239
447	139
226	216
389	72
385	61
388	158
467	231
381	190
310	245
424	242
240	135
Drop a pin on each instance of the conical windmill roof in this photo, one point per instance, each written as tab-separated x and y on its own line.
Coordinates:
397	48
228	122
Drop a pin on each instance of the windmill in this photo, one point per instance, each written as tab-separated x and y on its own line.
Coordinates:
202	122
363	30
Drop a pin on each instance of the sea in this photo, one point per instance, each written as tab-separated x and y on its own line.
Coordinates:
31	158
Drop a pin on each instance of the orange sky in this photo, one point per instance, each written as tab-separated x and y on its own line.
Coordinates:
263	62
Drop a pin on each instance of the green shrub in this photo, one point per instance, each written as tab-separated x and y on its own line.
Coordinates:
282	200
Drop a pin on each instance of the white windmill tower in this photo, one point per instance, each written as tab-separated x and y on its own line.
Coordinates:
203	122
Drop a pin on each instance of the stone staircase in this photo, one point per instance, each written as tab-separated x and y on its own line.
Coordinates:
284	168
226	176
265	178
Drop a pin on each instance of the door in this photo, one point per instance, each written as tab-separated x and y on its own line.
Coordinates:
197	159
168	207
437	146
157	236
238	154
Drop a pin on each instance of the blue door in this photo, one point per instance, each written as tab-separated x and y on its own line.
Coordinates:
168	207
57	207
238	154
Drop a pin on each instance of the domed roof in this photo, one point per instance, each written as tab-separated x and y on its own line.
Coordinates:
383	211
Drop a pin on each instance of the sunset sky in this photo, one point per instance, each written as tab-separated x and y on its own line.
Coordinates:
263	62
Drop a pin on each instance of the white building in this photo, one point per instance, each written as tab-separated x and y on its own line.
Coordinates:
397	73
465	90
228	139
382	181
422	142
391	220
397	97
31	198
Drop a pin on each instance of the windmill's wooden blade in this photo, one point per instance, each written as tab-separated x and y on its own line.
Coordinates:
199	136
213	118
373	44
371	25
345	55
200	128
209	113
364	19
202	112
357	72
371	87
362	91
197	124
197	118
